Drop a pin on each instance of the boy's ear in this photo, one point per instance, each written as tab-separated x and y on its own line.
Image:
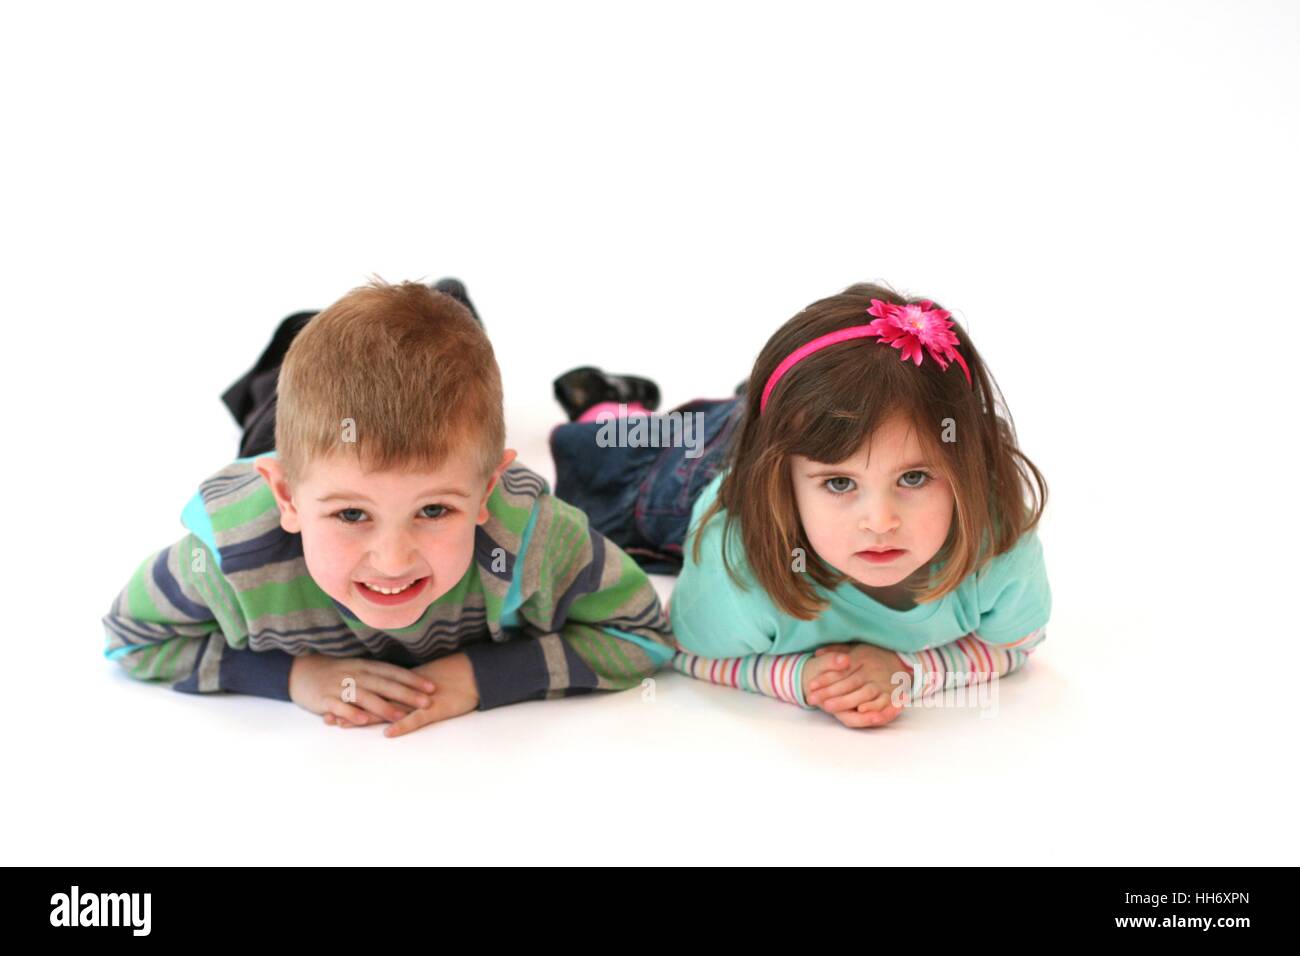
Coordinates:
272	472
506	459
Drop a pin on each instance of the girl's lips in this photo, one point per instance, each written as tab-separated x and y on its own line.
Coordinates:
882	557
389	600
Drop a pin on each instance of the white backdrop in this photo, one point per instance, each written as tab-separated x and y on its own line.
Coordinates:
1104	193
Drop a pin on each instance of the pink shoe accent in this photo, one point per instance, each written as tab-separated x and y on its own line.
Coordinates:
603	410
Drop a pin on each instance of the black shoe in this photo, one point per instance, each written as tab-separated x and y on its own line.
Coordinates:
579	389
456	289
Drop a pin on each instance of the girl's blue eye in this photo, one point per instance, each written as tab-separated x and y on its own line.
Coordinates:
833	488
443	511
925	478
343	513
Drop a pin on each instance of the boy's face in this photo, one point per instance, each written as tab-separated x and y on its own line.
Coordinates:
408	532
853	508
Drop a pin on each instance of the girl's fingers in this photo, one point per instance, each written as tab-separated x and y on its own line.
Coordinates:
878	718
830	675
876	702
824	678
850	683
403	675
851	700
874	718
830	648
886	700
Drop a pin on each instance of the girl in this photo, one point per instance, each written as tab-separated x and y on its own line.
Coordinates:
858	529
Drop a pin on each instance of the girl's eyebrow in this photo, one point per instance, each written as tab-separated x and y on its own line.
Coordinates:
846	471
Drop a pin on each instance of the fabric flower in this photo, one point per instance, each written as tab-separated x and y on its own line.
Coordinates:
911	328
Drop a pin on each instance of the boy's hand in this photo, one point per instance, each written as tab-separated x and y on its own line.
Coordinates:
457	694
856	687
353	691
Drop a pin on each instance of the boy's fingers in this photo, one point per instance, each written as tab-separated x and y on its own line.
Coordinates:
396	692
412	721
403	675
383	709
345	712
345	724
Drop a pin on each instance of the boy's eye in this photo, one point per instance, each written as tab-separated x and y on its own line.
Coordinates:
356	515
839	485
920	479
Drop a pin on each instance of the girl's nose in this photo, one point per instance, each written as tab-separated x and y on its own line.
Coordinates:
880	520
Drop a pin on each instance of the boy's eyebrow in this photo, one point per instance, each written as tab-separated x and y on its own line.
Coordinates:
431	493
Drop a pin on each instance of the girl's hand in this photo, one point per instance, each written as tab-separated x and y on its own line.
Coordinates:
824	668
354	692
857	684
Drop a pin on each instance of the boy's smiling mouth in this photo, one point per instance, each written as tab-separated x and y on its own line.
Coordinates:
388	596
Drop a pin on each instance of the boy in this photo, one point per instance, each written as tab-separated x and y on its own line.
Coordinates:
388	561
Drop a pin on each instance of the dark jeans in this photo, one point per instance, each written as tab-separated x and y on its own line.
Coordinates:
641	497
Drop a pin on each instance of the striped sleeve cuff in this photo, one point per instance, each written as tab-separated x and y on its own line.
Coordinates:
967	660
511	671
238	670
773	675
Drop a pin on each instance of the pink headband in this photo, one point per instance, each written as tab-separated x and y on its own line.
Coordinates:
906	327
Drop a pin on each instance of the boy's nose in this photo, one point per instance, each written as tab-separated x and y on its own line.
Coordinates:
394	557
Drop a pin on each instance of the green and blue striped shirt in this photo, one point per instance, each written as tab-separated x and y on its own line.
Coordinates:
548	607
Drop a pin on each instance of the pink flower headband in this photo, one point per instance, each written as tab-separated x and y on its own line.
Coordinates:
905	327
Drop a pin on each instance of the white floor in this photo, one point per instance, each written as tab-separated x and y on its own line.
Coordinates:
1075	762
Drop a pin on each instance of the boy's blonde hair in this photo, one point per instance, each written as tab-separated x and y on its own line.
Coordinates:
401	376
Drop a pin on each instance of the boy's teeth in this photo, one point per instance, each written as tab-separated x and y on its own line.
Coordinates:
389	590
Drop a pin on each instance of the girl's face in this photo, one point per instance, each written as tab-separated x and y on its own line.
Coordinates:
880	515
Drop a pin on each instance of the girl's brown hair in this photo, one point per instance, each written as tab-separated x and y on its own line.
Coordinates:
408	367
825	407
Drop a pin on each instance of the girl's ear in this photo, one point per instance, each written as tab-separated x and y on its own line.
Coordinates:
272	472
506	459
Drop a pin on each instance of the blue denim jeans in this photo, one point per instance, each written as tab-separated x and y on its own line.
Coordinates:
638	495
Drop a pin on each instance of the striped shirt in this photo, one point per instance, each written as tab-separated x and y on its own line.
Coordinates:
548	607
